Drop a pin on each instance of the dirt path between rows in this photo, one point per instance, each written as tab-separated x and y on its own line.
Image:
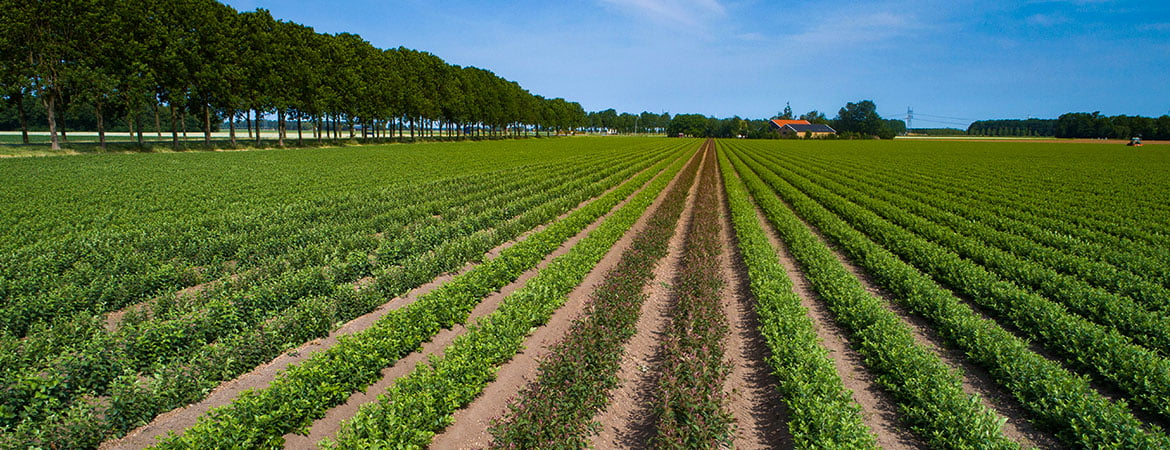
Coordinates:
760	413
328	426
178	420
879	412
974	379
470	429
628	421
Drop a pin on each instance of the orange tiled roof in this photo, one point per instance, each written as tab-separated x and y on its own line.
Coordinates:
781	122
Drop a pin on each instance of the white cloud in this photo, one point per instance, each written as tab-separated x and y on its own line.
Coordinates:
689	13
1047	20
752	37
834	31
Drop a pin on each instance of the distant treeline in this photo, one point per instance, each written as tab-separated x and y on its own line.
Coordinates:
1013	127
853	121
1077	125
938	131
1094	125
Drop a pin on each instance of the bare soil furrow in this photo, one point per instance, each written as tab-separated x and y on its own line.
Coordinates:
180	419
628	422
878	408
759	411
470	428
975	379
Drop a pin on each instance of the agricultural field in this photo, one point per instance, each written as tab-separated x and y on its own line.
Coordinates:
589	292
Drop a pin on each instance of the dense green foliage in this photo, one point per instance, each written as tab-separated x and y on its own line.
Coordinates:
1013	127
823	185
421	404
201	58
854	121
1094	125
928	392
276	262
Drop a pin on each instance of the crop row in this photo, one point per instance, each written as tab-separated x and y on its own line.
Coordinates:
928	392
298	226
1136	219
1056	399
1138	371
821	412
159	348
96	272
422	403
1102	262
184	379
305	392
347	265
1013	236
573	381
1049	225
347	258
1077	184
689	401
1128	317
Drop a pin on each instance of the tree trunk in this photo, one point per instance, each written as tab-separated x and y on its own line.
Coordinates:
174	128
50	105
320	129
300	133
101	124
23	117
280	127
351	124
183	122
207	125
257	127
412	129
157	121
232	127
248	122
138	127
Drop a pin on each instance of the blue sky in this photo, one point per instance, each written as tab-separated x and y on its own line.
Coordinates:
952	61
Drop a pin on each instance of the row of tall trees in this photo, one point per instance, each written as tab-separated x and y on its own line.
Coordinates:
1013	127
179	58
646	122
1096	126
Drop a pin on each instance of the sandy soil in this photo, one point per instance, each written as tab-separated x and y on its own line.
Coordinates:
180	419
879	411
628	422
975	380
471	422
759	411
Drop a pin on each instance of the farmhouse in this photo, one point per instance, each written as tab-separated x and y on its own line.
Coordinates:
802	128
